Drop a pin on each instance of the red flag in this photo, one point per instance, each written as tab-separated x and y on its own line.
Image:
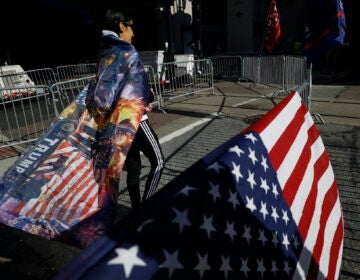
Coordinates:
264	205
273	30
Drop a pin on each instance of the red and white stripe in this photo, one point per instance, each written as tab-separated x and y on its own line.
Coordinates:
307	180
70	195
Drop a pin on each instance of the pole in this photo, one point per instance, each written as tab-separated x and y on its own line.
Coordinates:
169	49
196	42
262	46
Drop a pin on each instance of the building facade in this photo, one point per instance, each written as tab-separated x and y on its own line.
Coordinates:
212	27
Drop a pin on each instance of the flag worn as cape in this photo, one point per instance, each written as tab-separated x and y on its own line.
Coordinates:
325	27
65	187
263	205
273	30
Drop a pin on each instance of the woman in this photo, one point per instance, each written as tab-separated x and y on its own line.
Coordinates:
121	74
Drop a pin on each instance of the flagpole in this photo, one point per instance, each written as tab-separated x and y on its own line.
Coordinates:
265	29
262	46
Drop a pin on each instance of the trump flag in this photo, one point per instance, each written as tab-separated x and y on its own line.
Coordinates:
273	31
263	205
325	27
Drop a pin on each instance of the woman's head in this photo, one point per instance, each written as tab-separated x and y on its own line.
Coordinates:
120	23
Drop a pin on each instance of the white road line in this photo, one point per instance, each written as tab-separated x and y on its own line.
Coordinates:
244	102
200	122
187	128
249	101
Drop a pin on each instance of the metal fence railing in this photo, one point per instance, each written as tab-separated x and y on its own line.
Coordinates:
25	112
71	72
283	72
154	83
64	93
304	90
178	79
24	118
265	70
47	76
295	72
44	76
227	67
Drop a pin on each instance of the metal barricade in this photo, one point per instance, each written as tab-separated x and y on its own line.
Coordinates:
44	76
271	71
304	90
227	67
265	70
250	67
65	93
154	84
178	79
27	111
283	72
295	72
24	114
71	72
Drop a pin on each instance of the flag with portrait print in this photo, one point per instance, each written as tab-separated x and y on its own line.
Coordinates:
263	205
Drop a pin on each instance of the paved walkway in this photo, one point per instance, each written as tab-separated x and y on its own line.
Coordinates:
189	130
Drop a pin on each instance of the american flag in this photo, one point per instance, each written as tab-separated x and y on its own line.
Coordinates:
62	188
273	30
54	191
325	27
263	205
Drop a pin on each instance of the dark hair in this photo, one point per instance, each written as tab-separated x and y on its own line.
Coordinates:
112	19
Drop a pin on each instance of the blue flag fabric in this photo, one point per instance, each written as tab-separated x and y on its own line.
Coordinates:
240	212
325	27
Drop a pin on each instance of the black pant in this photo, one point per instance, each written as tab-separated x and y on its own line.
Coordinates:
145	141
